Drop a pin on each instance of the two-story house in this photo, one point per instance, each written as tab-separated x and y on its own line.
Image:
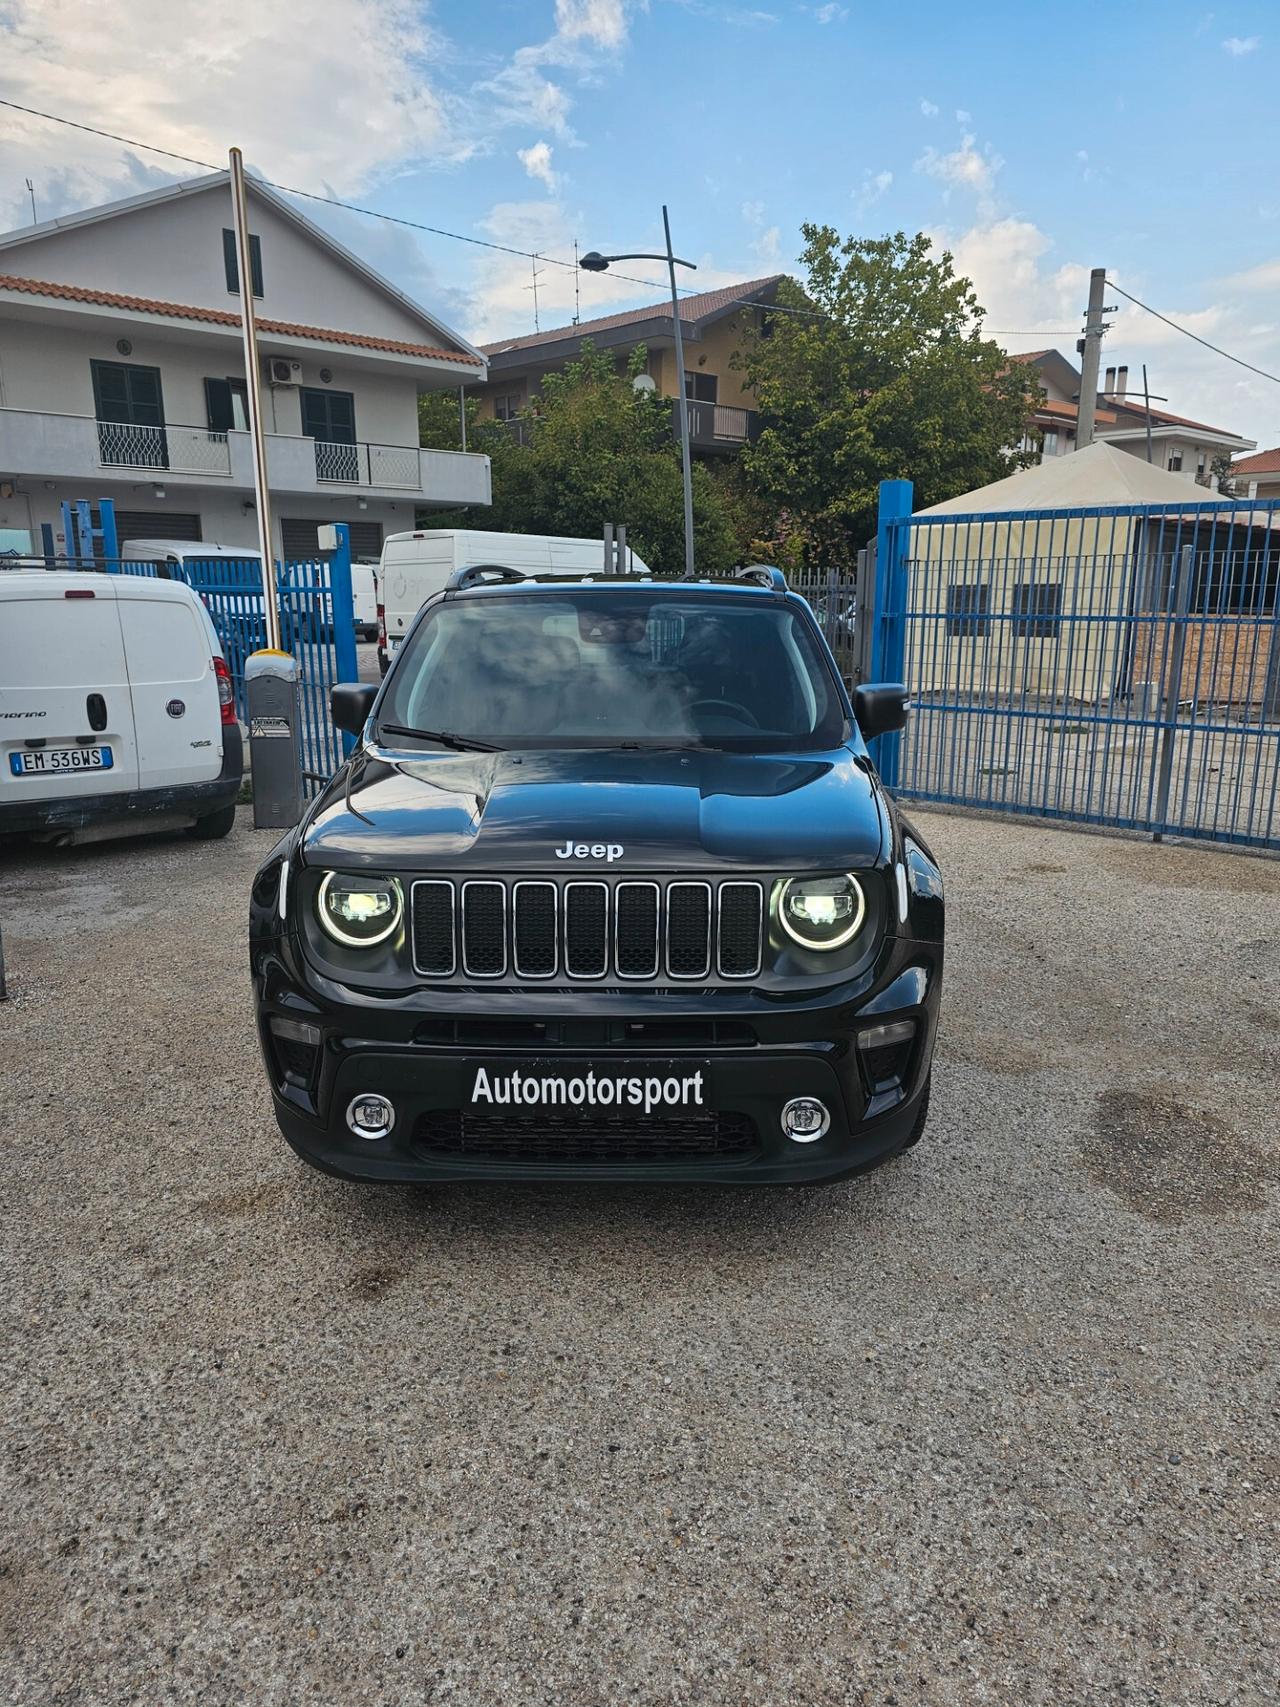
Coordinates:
1178	445
721	416
122	376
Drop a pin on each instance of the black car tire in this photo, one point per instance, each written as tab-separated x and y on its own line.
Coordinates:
922	1114
215	826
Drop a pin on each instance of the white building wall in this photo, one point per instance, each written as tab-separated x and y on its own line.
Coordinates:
172	251
46	366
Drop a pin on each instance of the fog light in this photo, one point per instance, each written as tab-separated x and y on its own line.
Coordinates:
805	1120
370	1116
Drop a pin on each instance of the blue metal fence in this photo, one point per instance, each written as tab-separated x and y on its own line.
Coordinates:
317	625
1109	665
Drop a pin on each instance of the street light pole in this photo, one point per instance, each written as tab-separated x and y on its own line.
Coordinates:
597	263
682	403
253	397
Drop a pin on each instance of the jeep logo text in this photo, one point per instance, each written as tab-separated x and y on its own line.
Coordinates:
607	851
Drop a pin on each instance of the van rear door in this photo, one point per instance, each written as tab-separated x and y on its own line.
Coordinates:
66	718
176	712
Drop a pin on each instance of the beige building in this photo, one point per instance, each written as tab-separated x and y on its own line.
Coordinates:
1178	445
722	417
1258	476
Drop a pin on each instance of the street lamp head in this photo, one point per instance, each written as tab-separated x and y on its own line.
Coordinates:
594	262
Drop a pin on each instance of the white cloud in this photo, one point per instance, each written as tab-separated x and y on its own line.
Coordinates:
928	108
874	185
246	73
769	244
603	23
753	213
536	160
830	14
1265	276
259	75
967	167
962	117
1036	299
1238	46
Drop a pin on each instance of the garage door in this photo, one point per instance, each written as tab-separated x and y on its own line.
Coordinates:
300	539
157	524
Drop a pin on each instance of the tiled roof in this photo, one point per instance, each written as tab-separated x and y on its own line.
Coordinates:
1068	411
1031	355
224	317
1134	404
692	308
1265	462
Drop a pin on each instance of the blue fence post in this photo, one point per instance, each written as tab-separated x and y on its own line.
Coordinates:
107	528
342	602
889	638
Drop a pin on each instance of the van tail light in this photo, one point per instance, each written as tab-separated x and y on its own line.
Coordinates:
382	627
226	695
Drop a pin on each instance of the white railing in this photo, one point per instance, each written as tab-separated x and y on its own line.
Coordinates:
395	465
180	450
363	464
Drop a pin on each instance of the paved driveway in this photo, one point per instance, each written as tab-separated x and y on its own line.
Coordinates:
997	1424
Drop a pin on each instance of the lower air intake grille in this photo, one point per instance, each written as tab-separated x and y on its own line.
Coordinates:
582	1136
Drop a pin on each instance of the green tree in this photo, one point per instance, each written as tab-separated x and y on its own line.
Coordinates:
1221	479
887	376
593	450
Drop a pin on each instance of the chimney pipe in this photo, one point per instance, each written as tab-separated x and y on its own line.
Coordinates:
1109	383
1122	382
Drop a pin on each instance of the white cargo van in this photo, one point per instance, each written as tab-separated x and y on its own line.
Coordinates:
116	708
416	565
364	599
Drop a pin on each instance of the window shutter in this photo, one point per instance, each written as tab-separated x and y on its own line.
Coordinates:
217	397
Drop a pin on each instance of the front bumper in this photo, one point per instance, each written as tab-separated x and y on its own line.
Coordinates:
755	1054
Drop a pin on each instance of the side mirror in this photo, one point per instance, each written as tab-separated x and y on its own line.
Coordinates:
880	708
351	703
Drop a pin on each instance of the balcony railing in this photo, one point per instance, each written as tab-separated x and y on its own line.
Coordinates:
368	465
180	450
718	425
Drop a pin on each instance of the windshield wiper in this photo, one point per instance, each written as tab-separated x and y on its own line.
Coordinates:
445	737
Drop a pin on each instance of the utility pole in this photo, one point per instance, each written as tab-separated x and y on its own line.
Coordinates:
681	404
1094	327
253	395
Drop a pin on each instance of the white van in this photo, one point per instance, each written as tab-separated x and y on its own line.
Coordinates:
364	599
116	708
417	565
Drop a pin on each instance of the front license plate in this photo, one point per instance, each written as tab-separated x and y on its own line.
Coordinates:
654	1088
45	759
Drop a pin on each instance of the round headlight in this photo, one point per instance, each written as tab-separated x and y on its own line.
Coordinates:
359	911
822	912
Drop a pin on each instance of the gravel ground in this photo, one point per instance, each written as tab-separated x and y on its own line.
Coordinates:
995	1424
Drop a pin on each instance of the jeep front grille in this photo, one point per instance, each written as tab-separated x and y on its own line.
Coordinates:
641	931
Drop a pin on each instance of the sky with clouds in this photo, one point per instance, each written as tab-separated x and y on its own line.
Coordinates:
1033	143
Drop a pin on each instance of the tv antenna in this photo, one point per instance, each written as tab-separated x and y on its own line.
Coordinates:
31	191
537	274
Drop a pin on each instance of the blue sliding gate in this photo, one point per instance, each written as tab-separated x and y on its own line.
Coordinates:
317	624
1115	665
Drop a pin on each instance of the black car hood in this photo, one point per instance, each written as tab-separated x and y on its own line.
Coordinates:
668	811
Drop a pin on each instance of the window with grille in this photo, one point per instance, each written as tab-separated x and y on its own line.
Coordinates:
1037	608
968	606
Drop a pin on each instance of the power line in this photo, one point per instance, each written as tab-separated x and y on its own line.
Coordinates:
1238	360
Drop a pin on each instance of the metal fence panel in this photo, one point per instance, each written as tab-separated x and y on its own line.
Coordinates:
1109	665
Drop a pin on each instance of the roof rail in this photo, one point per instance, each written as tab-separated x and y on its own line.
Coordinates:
765	575
474	575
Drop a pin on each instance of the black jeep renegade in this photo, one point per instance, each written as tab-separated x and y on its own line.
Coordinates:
608	888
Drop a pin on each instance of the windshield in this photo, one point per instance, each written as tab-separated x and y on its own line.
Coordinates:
606	669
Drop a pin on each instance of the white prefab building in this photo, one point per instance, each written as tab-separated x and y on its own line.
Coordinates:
122	376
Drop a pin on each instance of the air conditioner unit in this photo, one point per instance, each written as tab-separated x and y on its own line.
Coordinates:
281	371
